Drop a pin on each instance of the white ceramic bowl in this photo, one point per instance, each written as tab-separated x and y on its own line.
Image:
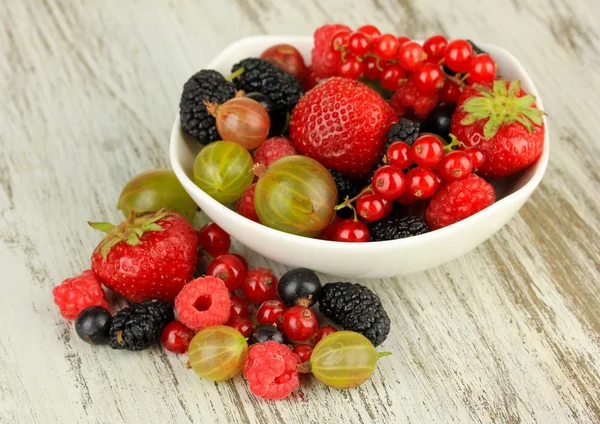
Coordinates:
381	259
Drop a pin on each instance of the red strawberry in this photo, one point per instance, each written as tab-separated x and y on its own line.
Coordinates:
342	124
503	121
145	257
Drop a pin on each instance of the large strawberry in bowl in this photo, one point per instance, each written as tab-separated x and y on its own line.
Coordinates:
342	124
502	120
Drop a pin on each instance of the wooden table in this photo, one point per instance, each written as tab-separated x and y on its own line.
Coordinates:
508	333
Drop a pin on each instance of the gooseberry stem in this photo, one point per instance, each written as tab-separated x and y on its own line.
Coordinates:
348	202
211	108
236	74
259	170
382	354
304	367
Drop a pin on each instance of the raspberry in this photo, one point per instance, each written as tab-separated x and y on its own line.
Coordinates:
323	34
203	302
458	201
425	104
245	206
325	59
407	96
75	294
271	370
273	149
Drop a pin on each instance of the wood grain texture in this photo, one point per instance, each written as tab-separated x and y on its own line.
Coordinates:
507	334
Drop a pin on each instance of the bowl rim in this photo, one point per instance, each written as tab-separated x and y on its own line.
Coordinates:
520	195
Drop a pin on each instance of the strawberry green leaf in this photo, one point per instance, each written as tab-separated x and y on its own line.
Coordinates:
476	104
491	128
500	88
105	227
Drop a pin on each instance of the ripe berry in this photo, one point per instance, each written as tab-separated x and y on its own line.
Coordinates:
340	39
370	207
391	77
425	104
265	332
388	182
428	78
214	240
176	337
427	151
351	231
406	95
406	198
388	205
78	293
93	325
324	331
371	67
386	47
402	41
352	68
458	55
239	307
434	46
202	303
245	205
370	31
271	370
482	69
450	92
228	268
399	155
300	286
477	157
260	285
241	324
271	312
455	166
242	260
411	55
299	323
439	120
303	350
358	44
421	183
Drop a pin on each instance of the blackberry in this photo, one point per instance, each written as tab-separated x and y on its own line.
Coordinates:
397	226
260	75
476	50
139	325
356	308
206	85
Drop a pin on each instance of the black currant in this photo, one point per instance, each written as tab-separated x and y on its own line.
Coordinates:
262	99
265	332
93	325
300	286
279	118
439	120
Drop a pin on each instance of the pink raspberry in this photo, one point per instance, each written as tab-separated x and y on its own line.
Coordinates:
273	149
75	294
245	206
459	200
203	302
325	58
270	368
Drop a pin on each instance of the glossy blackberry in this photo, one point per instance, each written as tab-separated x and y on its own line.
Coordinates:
356	308
261	75
206	85
139	325
397	226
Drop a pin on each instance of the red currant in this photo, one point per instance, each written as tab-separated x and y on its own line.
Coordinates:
450	92
388	182
411	55
406	198
358	44
370	207
399	155
421	183
239	307
370	31
427	151
434	46
339	39
176	337
391	77
260	285
371	67
228	268
324	331
271	312
214	240
477	157
440	181
241	324
455	166
402	41
350	231
299	323
352	68
304	351
388	205
482	69
428	78
386	47
458	55
242	260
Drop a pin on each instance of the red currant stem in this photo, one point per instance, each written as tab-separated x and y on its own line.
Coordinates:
381	354
454	79
454	143
236	74
348	202
378	65
464	78
441	62
204	252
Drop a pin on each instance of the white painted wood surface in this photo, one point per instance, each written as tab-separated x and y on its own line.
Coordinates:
89	89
